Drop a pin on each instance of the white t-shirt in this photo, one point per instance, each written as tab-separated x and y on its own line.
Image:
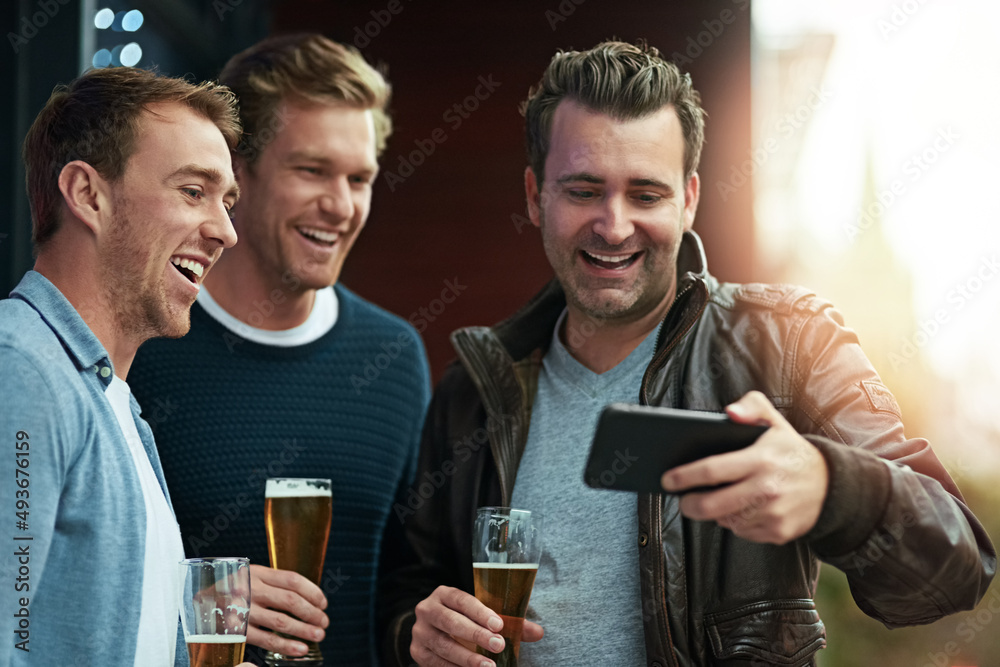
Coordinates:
321	319
158	618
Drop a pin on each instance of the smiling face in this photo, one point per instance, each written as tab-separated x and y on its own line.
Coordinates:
170	221
612	210
307	197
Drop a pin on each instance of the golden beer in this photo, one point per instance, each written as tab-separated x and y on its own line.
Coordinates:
298	529
297	515
505	588
215	650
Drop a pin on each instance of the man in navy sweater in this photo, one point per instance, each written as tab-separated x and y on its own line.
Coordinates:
262	386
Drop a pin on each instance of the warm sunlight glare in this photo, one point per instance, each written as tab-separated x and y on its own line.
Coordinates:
882	121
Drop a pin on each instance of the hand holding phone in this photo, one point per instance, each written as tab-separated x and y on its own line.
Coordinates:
635	444
771	492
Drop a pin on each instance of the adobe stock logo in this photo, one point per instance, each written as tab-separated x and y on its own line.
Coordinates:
898	17
363	35
698	44
787	125
959	296
563	12
455	116
393	348
914	167
619	466
29	27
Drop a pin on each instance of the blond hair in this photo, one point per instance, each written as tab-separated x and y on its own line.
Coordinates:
303	67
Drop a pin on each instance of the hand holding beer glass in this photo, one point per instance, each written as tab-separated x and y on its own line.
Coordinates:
297	514
215	608
506	546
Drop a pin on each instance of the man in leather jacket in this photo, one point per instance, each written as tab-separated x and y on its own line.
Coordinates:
718	577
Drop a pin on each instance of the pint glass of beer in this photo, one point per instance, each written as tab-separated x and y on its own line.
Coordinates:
297	514
506	546
215	608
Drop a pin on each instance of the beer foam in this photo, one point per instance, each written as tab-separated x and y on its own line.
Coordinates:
505	566
295	488
215	639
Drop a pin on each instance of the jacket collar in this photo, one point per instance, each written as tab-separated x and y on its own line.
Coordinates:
531	327
80	343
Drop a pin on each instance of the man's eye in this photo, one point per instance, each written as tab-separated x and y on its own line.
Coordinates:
313	171
194	193
582	195
648	198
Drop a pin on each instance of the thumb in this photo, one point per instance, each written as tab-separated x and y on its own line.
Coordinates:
753	408
532	632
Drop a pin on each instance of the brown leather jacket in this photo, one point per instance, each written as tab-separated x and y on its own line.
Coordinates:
893	519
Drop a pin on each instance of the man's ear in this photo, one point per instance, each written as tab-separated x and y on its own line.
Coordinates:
86	194
531	191
692	193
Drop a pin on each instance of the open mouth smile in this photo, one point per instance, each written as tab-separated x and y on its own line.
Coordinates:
319	236
610	262
191	269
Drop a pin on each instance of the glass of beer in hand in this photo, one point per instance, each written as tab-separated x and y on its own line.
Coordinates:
506	546
215	608
297	513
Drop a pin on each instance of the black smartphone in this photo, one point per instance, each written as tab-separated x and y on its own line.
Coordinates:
635	444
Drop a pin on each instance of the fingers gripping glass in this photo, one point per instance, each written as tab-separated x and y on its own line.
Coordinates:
297	515
506	547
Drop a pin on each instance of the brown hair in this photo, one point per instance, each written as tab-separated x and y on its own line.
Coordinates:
624	81
306	67
96	119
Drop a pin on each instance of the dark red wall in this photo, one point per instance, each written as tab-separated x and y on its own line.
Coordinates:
459	216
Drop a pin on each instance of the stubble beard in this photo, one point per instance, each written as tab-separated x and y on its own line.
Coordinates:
139	305
589	300
277	264
591	303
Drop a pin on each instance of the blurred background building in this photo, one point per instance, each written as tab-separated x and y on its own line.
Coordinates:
877	166
852	148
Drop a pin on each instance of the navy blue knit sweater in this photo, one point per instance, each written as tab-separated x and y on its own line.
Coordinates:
228	413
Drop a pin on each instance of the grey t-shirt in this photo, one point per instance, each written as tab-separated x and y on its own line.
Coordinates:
586	593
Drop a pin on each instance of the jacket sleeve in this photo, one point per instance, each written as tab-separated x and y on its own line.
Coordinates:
421	520
36	456
894	521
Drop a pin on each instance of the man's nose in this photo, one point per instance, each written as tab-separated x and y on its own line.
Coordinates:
220	228
613	224
336	201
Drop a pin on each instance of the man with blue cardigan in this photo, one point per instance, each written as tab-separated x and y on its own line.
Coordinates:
130	181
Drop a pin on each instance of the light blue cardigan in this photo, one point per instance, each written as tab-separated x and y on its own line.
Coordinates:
85	513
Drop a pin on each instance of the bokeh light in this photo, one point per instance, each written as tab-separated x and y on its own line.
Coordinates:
104	18
132	20
130	55
102	58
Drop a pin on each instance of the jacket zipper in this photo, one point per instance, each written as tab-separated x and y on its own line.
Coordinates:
656	509
661	356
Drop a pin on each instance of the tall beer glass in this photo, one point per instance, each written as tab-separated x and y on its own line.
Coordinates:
506	546
297	514
215	609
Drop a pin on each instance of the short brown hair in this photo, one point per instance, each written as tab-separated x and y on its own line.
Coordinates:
624	81
305	67
96	119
